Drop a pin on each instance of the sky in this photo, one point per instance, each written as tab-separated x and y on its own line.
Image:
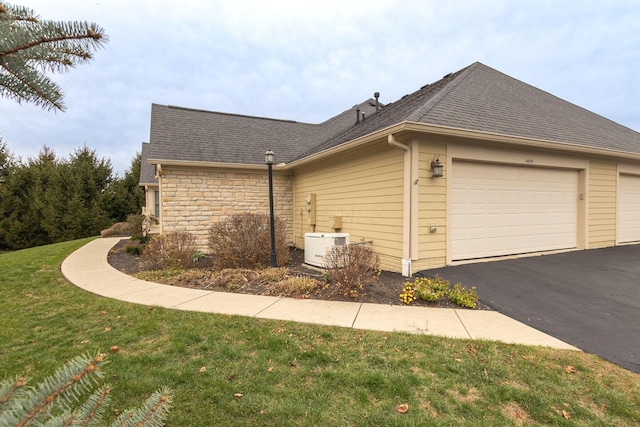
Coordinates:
308	61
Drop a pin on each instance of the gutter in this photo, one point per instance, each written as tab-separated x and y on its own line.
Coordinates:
517	140
217	165
407	242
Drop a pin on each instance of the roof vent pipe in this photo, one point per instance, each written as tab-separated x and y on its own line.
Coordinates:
363	116
358	115
376	95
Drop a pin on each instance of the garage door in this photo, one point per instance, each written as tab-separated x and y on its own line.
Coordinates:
628	208
505	210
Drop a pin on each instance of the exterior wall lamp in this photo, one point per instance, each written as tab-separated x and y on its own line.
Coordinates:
437	168
269	159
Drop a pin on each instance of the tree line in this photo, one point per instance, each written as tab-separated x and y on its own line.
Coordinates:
50	199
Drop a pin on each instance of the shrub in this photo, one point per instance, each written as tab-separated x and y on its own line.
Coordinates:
436	288
174	249
351	267
197	256
233	278
140	225
117	229
134	250
296	286
462	296
272	275
244	241
431	289
55	401
136	226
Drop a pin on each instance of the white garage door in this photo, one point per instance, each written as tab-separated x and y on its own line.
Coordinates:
505	210
628	209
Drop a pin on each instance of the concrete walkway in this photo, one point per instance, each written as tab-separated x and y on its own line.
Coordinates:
88	269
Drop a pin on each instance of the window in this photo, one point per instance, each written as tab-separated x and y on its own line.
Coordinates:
156	205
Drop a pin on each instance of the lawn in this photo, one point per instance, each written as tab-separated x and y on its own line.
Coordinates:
237	371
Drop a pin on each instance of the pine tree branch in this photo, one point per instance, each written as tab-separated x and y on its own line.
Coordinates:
11	389
152	413
89	414
96	37
28	45
75	374
30	86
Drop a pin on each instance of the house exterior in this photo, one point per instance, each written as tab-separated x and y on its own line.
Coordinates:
524	173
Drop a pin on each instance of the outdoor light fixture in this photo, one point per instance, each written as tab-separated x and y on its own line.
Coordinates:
269	159
436	167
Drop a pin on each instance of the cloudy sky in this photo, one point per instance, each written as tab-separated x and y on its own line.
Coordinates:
308	61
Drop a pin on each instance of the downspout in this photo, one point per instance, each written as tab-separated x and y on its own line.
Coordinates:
406	216
159	178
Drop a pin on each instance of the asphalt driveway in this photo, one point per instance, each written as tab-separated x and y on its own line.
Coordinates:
590	299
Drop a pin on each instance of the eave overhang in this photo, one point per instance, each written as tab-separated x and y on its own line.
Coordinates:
210	165
406	128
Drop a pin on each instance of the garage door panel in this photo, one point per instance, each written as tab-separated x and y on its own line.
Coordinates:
503	209
629	209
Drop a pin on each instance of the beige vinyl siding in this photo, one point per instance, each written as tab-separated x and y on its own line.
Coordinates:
365	188
194	199
432	209
149	200
602	204
628	204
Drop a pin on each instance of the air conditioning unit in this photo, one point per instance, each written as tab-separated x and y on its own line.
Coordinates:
316	246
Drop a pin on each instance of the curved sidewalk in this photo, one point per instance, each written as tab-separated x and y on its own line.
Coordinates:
88	269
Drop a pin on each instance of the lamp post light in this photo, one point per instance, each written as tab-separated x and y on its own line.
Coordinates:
269	159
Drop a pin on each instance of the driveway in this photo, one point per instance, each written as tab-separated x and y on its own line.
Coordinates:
590	299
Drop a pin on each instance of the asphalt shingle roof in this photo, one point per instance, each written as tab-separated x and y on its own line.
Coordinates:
479	98
195	135
476	98
147	171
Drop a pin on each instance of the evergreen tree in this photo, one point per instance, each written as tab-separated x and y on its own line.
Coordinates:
48	200
125	196
29	47
73	202
23	201
7	159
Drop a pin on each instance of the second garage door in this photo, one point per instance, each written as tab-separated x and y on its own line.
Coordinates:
504	210
629	209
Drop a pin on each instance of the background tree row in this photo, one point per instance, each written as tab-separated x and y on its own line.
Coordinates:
48	199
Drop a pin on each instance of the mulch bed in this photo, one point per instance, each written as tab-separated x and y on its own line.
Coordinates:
385	290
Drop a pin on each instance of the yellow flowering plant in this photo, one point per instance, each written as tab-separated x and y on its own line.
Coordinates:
408	294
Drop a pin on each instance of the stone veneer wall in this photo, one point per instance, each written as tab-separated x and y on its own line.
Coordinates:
194	199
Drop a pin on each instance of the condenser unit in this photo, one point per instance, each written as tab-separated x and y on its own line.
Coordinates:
316	246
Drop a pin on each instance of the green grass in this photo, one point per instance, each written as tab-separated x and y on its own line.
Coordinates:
292	374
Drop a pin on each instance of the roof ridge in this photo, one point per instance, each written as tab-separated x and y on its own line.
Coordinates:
368	101
434	100
199	110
